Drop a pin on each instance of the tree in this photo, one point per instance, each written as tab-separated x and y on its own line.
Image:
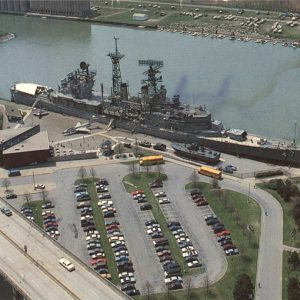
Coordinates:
215	183
188	287
132	167
6	184
118	148
148	289
293	289
296	214
93	173
44	195
206	284
243	288
159	170
293	260
27	197
194	178
82	173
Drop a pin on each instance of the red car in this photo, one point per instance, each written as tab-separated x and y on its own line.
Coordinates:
138	192
98	260
112	226
225	232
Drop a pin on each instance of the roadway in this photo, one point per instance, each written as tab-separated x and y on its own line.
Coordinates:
269	265
38	273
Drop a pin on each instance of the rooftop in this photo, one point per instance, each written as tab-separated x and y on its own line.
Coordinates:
8	134
39	141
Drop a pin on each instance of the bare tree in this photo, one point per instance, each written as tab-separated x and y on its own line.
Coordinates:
206	284
194	178
6	184
82	173
132	167
236	217
27	197
148	289
231	209
215	183
118	148
159	170
93	173
44	195
188	287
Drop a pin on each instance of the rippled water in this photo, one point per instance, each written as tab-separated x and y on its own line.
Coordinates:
245	85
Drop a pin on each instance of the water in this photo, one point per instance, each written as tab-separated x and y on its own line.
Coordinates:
245	85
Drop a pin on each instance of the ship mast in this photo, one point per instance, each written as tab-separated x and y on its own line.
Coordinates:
152	78
116	71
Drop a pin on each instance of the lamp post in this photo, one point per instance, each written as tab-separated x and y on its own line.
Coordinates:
33	179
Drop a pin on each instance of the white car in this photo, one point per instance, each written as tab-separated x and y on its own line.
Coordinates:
125	274
163	201
160	194
67	264
39	186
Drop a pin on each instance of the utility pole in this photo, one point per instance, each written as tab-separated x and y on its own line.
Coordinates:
33	179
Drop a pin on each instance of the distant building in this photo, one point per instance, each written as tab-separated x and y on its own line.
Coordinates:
55	7
140	17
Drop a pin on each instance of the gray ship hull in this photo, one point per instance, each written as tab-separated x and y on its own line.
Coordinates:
289	157
280	156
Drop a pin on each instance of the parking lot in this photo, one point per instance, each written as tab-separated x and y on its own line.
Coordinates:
146	264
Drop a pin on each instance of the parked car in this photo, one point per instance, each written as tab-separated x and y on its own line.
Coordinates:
160	194
11	196
145	144
227	169
160	146
39	186
146	206
48	205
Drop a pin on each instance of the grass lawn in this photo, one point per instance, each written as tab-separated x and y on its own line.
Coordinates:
287	272
227	209
37	211
288	222
141	181
100	225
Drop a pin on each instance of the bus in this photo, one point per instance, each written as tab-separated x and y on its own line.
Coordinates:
151	160
209	171
14	173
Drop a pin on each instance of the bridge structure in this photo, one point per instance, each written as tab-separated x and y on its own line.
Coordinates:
36	272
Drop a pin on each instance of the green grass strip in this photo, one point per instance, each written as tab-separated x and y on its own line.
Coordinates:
287	272
100	226
141	181
37	211
291	236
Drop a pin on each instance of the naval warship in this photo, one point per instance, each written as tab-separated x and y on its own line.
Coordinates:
151	112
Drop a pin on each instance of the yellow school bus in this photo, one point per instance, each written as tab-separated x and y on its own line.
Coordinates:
151	160
209	171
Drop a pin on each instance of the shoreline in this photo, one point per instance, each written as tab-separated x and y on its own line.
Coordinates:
200	29
223	33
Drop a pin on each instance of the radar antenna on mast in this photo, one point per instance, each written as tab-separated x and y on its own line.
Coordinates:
116	71
152	77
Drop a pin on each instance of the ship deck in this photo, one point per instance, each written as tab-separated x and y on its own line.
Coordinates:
253	141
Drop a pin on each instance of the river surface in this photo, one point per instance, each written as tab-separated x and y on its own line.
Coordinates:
245	85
